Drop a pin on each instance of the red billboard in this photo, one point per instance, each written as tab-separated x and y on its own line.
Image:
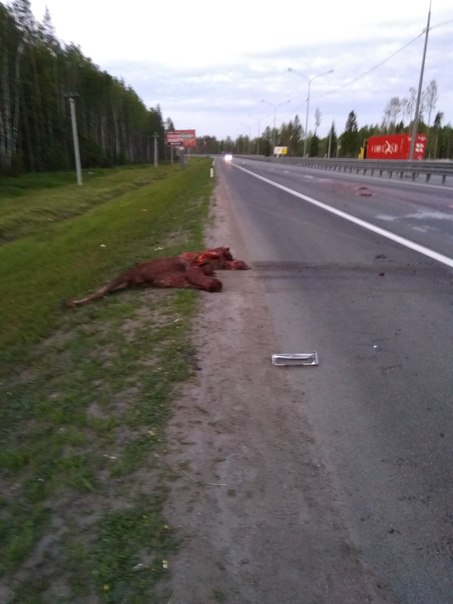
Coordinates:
181	138
395	146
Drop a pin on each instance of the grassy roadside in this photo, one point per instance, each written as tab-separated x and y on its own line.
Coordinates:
85	395
34	201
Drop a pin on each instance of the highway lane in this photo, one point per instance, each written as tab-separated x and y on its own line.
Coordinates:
380	316
420	212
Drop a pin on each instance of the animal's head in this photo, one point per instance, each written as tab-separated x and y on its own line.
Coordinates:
207	257
223	253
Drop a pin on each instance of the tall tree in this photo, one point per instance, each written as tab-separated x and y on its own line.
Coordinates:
11	51
332	142
313	150
408	105
349	138
433	149
430	98
318	116
291	135
392	111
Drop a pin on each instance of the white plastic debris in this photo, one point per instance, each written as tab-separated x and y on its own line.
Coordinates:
295	358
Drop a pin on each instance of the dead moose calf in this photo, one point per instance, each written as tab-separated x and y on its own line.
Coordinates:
190	269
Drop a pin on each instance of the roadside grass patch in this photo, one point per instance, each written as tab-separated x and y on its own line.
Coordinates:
34	201
86	396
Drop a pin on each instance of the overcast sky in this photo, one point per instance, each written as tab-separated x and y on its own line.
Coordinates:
210	64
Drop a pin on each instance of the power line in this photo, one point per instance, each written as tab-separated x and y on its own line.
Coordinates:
441	24
387	59
374	67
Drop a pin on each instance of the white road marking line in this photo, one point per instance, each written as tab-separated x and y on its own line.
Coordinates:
366	225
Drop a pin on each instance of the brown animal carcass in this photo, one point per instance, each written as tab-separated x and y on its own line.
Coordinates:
190	269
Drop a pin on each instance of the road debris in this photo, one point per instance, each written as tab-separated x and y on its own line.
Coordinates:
299	358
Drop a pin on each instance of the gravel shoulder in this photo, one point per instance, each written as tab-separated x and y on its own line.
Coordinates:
253	504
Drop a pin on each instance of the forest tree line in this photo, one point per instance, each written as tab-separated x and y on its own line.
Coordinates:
38	74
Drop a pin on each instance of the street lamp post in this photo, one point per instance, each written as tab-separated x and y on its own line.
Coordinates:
275	117
309	81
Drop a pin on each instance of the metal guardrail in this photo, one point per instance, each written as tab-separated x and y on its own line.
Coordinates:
374	167
385	167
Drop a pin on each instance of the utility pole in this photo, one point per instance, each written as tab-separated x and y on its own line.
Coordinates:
182	156
155	137
75	136
420	84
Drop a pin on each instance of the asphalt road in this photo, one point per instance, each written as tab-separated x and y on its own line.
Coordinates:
375	300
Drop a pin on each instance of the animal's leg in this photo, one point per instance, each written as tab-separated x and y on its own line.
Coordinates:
117	284
196	278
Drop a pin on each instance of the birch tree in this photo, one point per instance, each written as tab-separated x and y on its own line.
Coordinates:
391	113
11	50
430	97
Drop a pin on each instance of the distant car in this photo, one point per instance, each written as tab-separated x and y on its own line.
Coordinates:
228	157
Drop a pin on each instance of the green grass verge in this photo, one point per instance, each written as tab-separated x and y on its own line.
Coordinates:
34	201
86	394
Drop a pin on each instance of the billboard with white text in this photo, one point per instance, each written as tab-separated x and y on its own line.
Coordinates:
181	138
